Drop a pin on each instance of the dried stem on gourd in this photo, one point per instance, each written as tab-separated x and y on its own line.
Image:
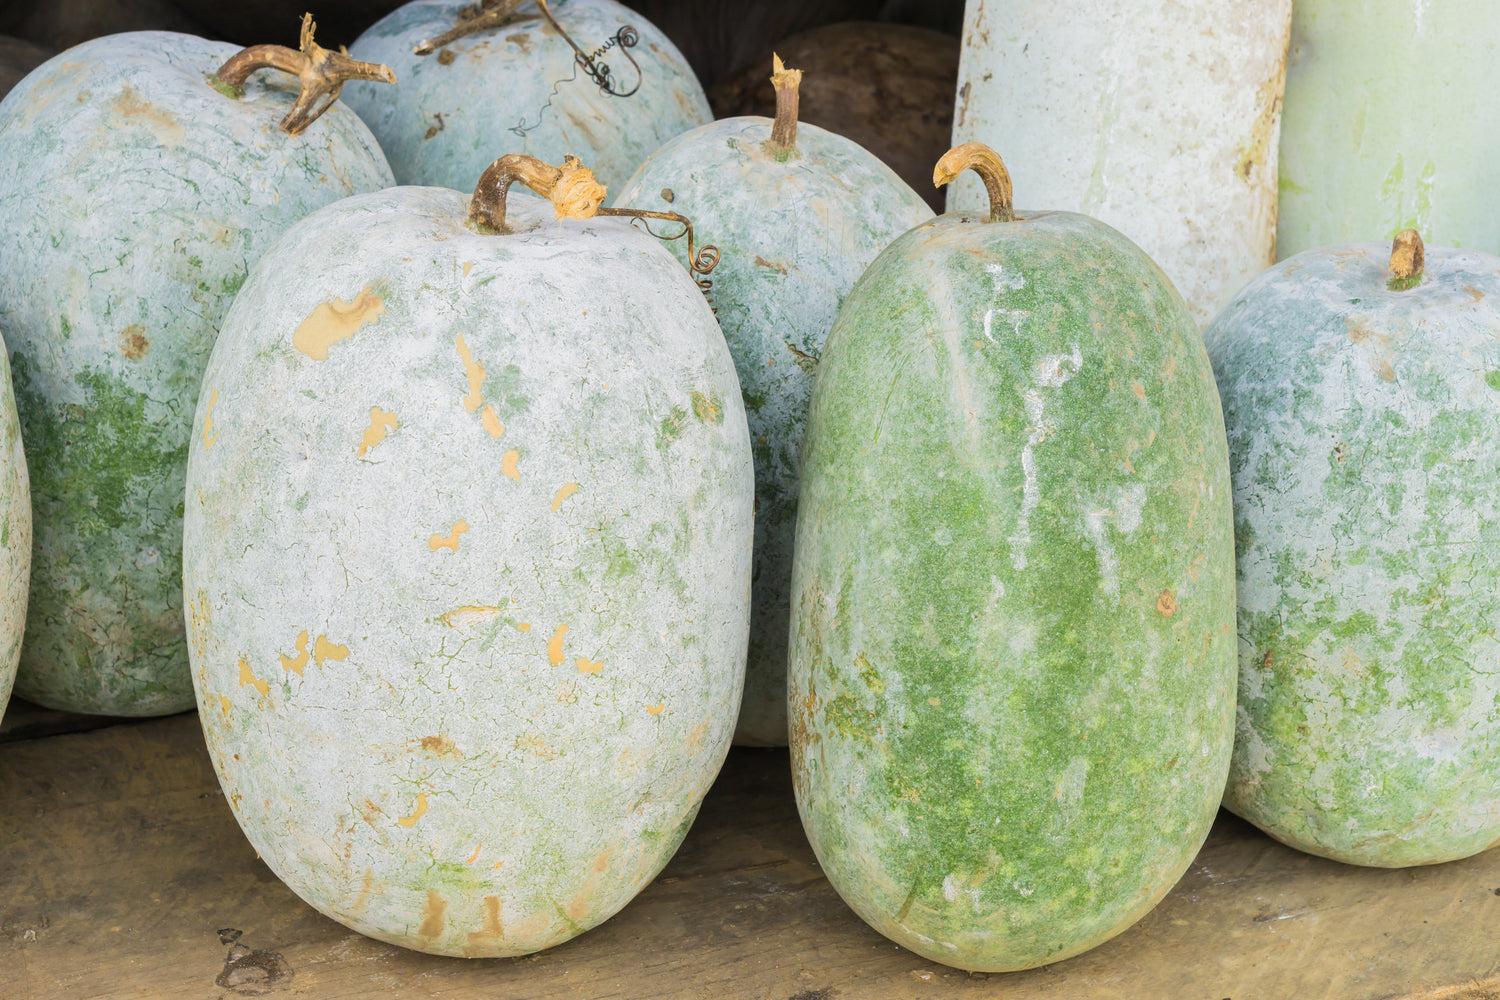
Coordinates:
783	141
574	194
1408	256
985	162
487	14
321	72
571	188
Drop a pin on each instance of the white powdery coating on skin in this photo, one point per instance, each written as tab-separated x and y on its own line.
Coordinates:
1052	371
537	699
1109	562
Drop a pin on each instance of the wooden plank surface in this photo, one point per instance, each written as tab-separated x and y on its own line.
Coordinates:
123	875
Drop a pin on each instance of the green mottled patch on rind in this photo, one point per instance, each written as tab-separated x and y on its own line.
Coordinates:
123	245
1361	427
1015	518
101	451
794	233
98	460
671	428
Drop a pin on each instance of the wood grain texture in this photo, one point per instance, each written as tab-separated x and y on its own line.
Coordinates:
120	866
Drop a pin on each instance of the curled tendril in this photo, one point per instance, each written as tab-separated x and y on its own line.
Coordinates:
492	14
701	259
593	63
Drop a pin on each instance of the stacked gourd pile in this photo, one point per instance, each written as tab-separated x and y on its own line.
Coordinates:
476	532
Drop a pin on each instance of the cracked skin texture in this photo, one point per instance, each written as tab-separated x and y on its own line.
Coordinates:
1361	425
133	198
1012	666
518	89
461	701
794	233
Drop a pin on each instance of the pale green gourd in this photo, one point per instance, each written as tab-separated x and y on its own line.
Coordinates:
1363	405
136	190
15	536
1012	659
797	213
467	560
510	79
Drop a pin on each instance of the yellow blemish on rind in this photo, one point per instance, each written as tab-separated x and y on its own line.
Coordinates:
508	464
468	266
585	666
381	421
470	614
209	437
555	644
298	662
704	408
335	320
475	856
474	371
247	676
134	109
432	915
451	541
568	490
491	422
224	705
524	626
325	650
418	813
656	709
493	928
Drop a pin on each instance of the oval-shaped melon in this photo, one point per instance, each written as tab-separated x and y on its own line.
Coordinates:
520	87
794	231
1362	425
1012	654
1160	119
133	198
1389	124
15	536
468	567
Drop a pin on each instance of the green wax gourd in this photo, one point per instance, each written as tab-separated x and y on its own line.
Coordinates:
796	213
520	83
1390	123
1362	409
15	536
468	632
1012	662
1160	119
136	188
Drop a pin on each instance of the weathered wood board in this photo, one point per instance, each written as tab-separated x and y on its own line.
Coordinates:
123	875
